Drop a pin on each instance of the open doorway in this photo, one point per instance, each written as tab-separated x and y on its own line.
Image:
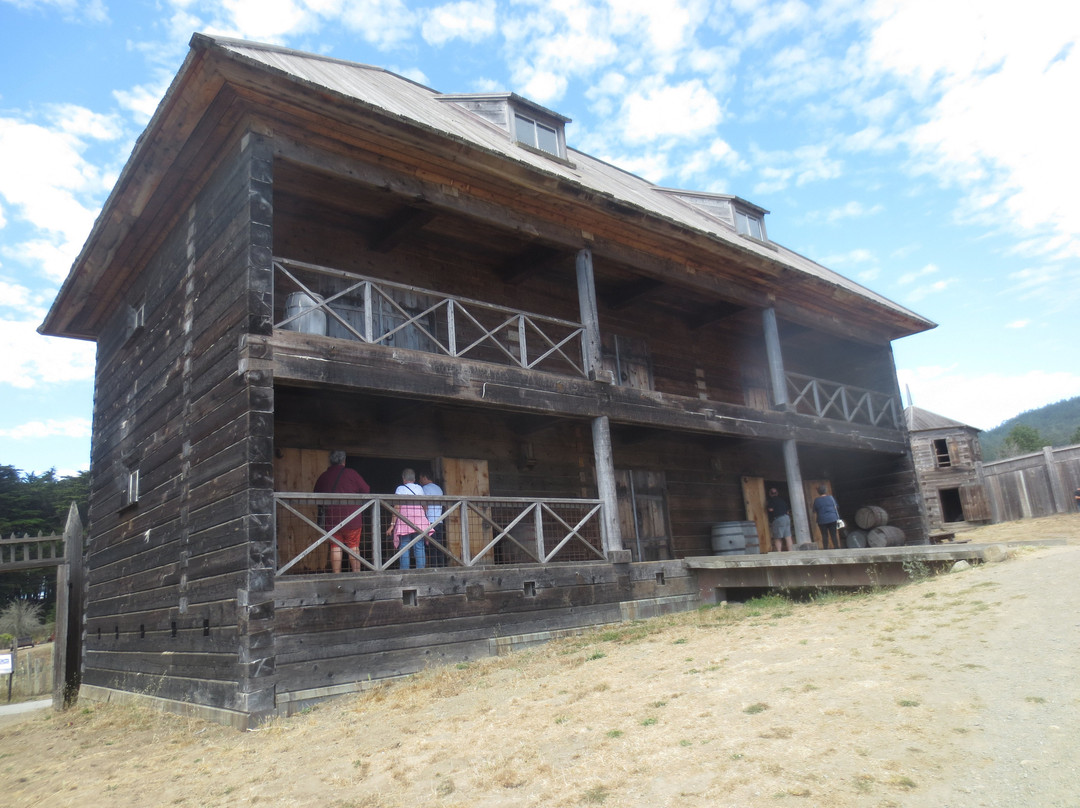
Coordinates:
952	510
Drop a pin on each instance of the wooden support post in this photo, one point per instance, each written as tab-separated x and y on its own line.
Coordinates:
590	318
605	484
68	642
799	521
1057	488
775	359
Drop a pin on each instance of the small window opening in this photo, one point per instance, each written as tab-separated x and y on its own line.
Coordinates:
142	631
116	632
747	225
535	134
530	589
408	597
173	628
206	628
660	579
99	634
130	495
941	453
136	319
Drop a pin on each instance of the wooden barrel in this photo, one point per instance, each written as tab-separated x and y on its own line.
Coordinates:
728	538
753	543
870	516
885	536
856	538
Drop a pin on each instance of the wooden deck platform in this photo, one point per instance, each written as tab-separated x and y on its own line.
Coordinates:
850	568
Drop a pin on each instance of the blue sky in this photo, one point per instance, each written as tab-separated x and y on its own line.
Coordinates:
925	148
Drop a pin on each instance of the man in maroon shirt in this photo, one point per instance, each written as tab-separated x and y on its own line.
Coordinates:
339	479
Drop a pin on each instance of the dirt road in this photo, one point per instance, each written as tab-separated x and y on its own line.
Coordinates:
960	690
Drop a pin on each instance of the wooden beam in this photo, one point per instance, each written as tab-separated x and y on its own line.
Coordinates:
310	360
400	226
629	293
537	259
714	313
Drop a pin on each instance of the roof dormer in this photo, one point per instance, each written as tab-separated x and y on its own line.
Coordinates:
745	218
530	125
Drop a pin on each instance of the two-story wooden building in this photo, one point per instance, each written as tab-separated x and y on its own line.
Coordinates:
947	455
305	254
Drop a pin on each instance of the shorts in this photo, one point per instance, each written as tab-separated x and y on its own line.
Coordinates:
350	538
780	527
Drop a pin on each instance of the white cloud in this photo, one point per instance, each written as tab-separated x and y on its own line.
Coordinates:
800	166
35	430
28	359
75	10
911	277
851	257
142	100
50	185
384	23
984	400
681	111
995	122
466	20
1018	324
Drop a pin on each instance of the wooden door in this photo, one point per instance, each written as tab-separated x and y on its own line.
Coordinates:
628	360
811	493
465	478
643	517
974	504
297	470
753	490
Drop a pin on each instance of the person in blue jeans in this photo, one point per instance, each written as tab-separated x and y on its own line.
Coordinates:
828	514
404	531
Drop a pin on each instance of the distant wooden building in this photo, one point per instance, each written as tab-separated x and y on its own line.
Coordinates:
305	254
947	455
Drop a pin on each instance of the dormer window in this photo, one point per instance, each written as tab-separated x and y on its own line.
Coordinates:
528	124
747	224
746	218
535	134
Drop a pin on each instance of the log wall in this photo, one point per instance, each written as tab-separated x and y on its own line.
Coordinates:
180	583
335	636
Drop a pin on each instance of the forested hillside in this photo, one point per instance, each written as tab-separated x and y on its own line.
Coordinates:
1056	424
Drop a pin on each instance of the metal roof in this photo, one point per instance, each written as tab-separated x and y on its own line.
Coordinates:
406	99
919	420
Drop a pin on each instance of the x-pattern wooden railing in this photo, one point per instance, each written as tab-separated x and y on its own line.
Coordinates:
844	402
539	529
465	326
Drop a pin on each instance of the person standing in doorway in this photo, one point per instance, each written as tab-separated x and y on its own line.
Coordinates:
779	521
340	479
434	511
411	524
828	514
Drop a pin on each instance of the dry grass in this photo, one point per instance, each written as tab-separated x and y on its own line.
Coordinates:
843	701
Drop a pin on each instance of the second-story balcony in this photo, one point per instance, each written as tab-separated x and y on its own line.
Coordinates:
842	402
329	302
320	300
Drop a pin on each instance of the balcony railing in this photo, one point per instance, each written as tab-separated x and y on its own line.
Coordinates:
844	402
470	532
331	302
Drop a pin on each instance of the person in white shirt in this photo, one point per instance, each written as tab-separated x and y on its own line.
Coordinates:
437	558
